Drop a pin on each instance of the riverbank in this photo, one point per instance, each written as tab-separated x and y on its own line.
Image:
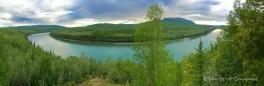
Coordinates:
130	43
91	41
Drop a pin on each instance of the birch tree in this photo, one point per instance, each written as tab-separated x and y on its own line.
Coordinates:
149	47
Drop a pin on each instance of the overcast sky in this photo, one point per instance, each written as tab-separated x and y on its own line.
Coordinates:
73	13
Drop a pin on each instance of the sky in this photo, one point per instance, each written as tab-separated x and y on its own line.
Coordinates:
75	13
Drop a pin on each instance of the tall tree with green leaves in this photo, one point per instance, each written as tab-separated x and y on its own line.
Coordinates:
241	49
149	47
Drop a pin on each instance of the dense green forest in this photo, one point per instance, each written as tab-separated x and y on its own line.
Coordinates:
125	32
35	28
22	63
235	59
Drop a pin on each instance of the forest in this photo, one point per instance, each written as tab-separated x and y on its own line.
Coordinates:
27	30
235	59
125	32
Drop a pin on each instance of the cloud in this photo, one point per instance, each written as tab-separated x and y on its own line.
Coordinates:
109	9
90	21
85	12
25	12
200	11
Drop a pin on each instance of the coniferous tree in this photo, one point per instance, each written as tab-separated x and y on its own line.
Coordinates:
199	57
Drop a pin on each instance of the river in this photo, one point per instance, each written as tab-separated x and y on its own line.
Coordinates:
178	48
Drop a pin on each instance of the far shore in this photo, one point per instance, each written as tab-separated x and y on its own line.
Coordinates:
117	43
94	42
124	43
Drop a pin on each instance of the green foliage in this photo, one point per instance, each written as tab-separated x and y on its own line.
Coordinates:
98	33
170	73
237	53
199	64
125	32
24	64
149	48
241	45
187	72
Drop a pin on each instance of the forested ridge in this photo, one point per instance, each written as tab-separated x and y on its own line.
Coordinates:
125	32
177	20
235	59
27	30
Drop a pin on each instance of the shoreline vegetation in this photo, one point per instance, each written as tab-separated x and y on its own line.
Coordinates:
90	41
130	43
124	33
237	53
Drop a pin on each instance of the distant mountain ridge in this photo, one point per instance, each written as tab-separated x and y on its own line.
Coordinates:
177	20
27	30
37	27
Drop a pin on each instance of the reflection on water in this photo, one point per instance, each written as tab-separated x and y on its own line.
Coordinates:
101	51
217	31
179	48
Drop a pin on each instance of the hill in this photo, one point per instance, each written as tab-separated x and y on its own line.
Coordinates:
35	28
177	20
125	32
